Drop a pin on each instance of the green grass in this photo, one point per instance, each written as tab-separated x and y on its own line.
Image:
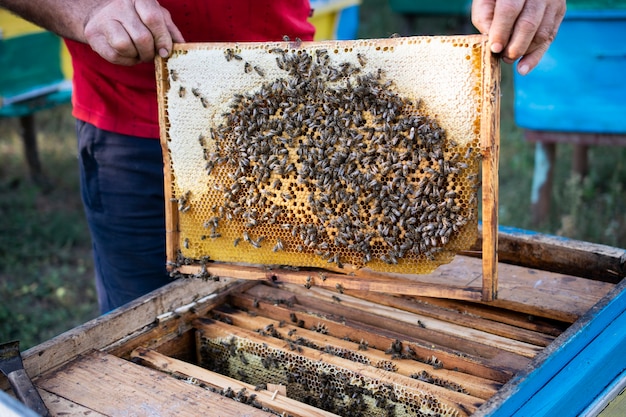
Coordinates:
46	278
46	271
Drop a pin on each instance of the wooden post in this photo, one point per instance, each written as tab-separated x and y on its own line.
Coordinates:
545	154
29	140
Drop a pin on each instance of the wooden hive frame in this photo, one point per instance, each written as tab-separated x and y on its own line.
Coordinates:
488	121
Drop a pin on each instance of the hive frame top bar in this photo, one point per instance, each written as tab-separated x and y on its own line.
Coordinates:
485	127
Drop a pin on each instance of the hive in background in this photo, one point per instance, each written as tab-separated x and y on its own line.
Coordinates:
338	155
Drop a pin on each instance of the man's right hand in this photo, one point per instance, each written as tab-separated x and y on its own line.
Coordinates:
127	32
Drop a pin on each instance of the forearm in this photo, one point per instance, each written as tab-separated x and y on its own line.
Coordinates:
66	18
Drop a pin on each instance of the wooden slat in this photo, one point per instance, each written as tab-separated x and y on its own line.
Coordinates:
524	321
472	321
527	290
117	326
363	281
277	403
559	254
478	387
499	366
462	402
530	291
490	147
442	328
170	330
114	386
59	406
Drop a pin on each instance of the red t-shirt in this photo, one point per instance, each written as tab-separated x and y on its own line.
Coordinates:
123	99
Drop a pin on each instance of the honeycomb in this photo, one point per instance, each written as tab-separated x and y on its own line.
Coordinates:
327	386
333	155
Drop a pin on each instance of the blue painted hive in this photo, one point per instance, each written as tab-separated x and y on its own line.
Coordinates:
579	86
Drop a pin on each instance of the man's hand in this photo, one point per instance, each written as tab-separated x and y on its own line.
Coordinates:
519	28
127	32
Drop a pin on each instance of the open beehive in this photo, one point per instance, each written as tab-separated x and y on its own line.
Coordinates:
353	156
235	347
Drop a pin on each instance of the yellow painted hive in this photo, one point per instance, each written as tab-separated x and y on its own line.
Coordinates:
339	155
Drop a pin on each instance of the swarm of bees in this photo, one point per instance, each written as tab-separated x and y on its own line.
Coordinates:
344	166
329	160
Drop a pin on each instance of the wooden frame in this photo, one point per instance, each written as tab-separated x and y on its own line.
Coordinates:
364	279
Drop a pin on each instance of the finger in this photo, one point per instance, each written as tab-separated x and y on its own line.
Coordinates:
165	48
529	61
504	16
142	39
532	17
159	22
482	15
112	43
543	38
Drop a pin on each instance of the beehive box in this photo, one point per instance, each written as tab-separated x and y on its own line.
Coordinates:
36	68
586	58
236	347
353	156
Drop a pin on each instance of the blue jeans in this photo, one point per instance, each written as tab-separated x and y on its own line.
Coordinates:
122	190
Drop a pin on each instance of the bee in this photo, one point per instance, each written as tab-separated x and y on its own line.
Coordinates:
259	71
174	75
229	54
293	317
336	299
195	92
236	241
362	59
228	392
186	243
307	284
339	288
247	67
182	91
205	102
363	345
278	246
291	332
